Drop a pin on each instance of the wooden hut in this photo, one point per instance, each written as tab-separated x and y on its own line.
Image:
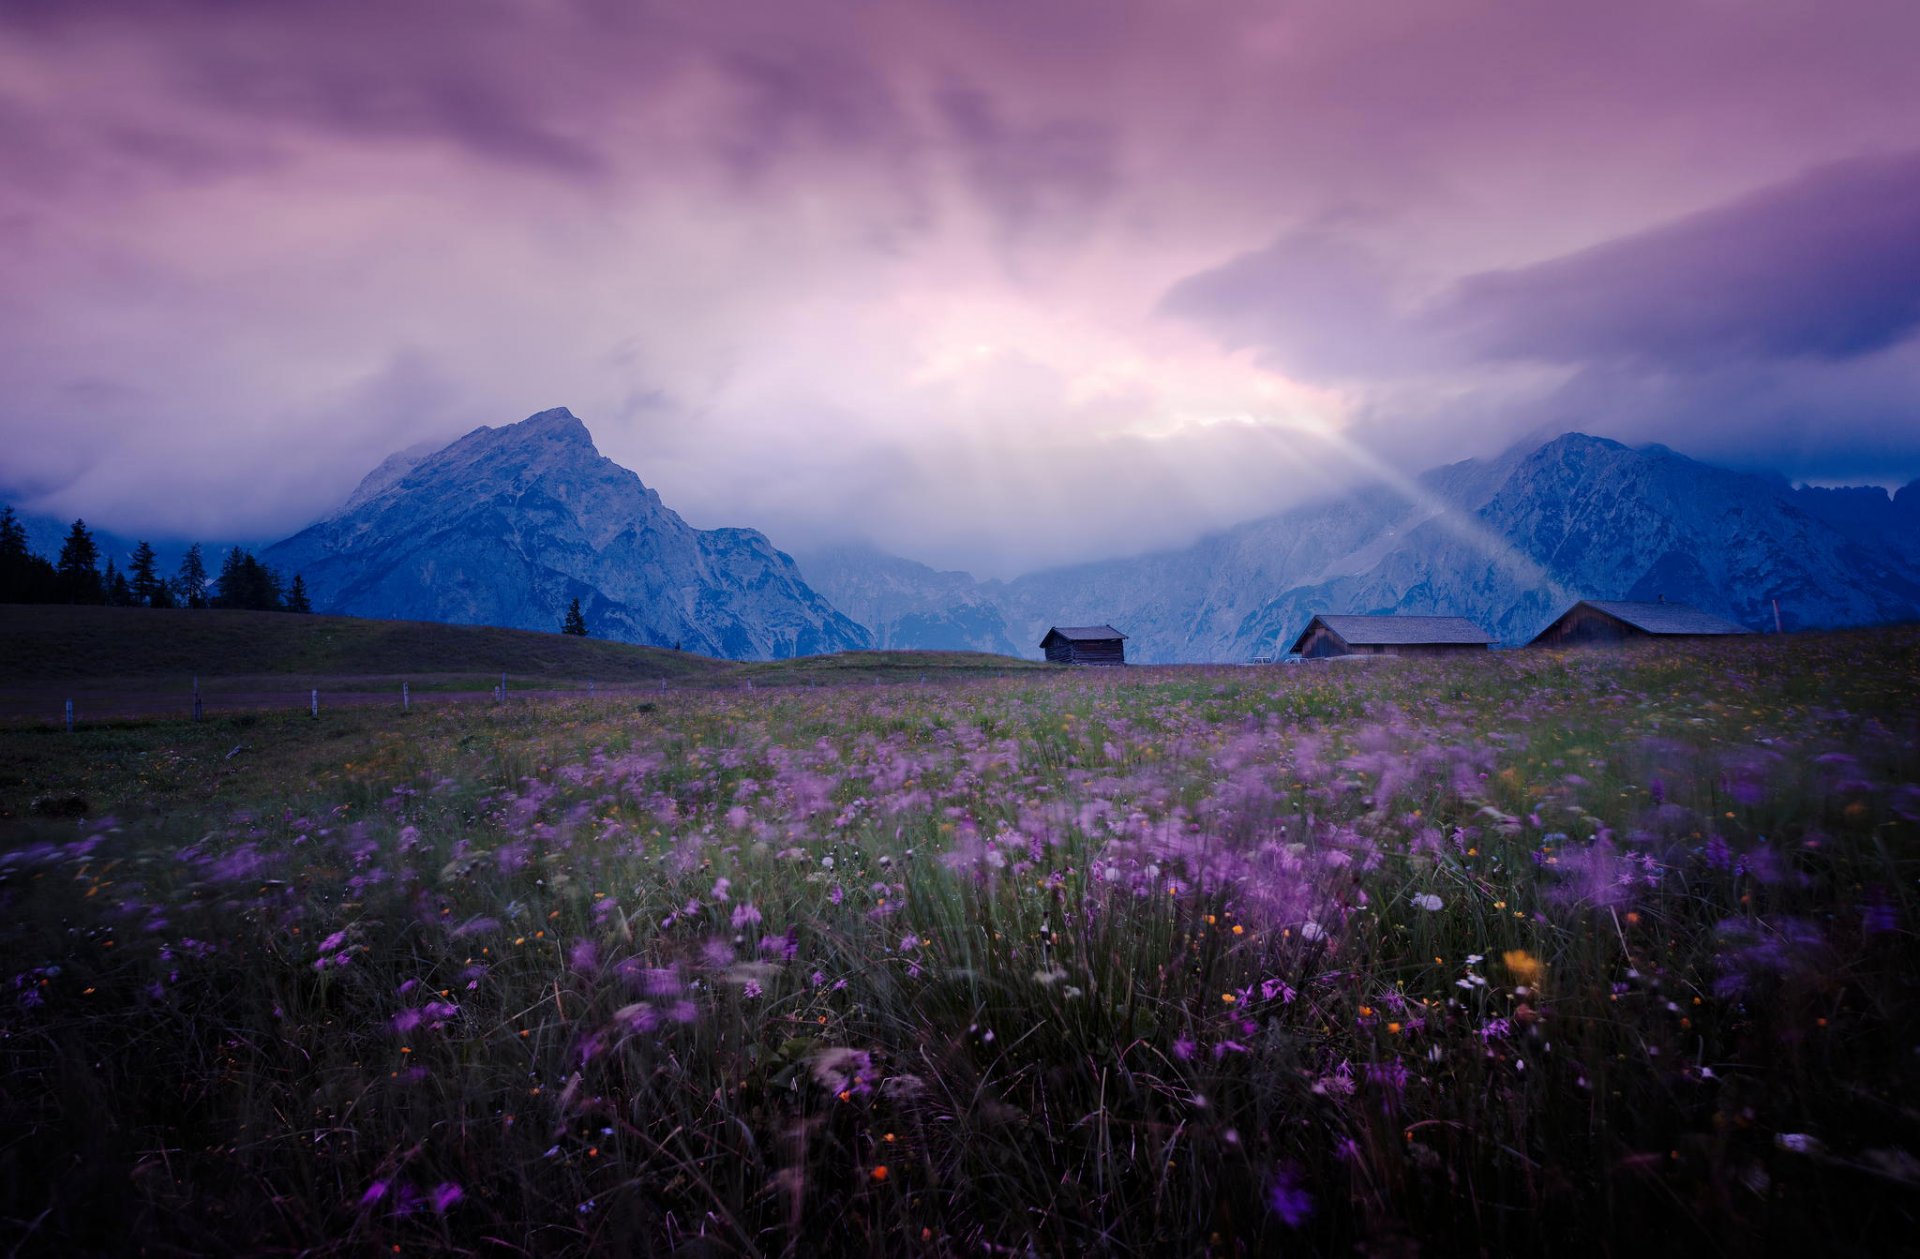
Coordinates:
1390	636
1609	622
1085	644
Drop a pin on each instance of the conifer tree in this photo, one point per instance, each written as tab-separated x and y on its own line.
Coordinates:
576	622
191	583
24	576
145	584
114	582
13	536
226	587
297	600
247	583
79	567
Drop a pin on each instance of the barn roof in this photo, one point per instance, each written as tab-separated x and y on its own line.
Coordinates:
1399	631
1083	633
1664	618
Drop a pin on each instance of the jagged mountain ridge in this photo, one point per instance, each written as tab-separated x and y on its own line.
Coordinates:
506	526
1508	542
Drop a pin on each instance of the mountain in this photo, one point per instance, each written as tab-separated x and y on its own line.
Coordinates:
1508	542
507	525
1869	515
909	605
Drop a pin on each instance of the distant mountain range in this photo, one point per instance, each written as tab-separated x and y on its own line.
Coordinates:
506	526
1508	542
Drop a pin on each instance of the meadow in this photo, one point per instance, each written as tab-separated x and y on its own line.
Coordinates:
1591	953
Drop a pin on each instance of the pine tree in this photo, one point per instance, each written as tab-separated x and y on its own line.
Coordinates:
13	537
227	586
576	622
114	582
79	567
247	583
297	600
191	584
146	586
269	595
24	576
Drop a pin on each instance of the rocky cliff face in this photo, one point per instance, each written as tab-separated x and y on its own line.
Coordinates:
507	525
1508	542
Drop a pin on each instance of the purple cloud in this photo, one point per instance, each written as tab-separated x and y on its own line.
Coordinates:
787	256
1775	330
1825	266
1053	170
1316	303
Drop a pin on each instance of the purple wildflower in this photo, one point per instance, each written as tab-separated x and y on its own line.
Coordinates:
1289	1198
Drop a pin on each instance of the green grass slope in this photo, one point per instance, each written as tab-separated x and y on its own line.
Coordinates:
897	666
56	644
50	645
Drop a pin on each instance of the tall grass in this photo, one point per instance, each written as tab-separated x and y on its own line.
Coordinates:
1525	952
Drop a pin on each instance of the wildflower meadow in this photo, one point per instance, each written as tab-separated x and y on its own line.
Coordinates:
1584	953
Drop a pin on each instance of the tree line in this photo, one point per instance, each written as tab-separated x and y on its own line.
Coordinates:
76	576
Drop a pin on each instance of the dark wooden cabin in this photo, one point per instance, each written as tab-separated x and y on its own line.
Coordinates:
1390	636
1593	622
1085	644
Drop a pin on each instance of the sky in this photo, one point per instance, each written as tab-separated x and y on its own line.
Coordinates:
993	284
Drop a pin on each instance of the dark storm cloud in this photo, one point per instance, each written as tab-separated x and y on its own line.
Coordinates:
792	100
488	83
365	99
1774	330
1825	266
1055	170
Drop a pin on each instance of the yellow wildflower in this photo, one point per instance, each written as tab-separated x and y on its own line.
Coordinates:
1524	966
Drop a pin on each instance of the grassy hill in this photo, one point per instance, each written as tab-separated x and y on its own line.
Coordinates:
43	645
899	666
54	644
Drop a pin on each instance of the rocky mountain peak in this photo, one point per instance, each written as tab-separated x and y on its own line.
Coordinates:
556	424
507	526
392	470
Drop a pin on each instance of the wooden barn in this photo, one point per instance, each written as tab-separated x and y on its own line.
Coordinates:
1390	636
1085	644
1609	622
